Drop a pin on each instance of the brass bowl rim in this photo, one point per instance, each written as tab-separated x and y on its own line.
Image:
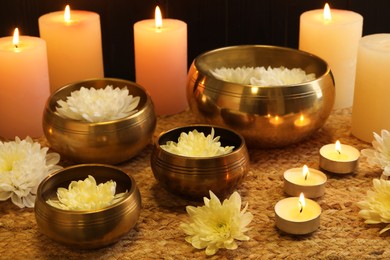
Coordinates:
194	158
127	196
258	46
58	118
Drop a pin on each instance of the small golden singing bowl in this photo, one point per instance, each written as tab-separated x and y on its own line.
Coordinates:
91	228
272	116
109	142
194	177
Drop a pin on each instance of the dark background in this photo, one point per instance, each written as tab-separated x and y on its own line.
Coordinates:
211	23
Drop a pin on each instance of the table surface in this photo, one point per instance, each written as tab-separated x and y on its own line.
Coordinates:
342	233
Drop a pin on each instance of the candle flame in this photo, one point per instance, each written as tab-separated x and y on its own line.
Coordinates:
158	18
15	39
67	14
301	202
338	146
302	118
327	13
305	171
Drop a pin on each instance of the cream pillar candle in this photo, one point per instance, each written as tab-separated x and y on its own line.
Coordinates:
371	104
161	63
24	81
335	39
74	47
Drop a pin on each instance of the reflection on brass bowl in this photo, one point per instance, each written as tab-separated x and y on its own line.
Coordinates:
91	228
193	177
272	116
109	142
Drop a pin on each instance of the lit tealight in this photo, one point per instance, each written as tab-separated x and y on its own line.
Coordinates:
297	215
307	180
339	158
276	120
302	121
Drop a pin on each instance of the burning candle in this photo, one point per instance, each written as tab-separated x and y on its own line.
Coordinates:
309	181
371	102
74	47
25	85
275	120
297	216
161	62
321	32
302	121
339	158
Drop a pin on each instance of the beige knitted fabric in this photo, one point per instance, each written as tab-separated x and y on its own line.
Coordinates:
342	234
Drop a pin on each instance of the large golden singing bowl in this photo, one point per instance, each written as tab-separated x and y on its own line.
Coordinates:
109	142
91	228
272	116
194	177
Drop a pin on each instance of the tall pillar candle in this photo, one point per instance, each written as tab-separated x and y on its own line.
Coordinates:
371	106
161	63
74	46
334	37
24	81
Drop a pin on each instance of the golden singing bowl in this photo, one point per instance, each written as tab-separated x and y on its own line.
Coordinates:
271	116
91	228
109	142
194	177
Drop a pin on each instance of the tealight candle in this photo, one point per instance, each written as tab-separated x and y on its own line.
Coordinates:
309	181
297	216
302	121
276	120
339	158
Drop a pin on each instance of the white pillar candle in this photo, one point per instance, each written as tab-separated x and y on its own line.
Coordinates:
307	180
24	81
371	105
339	158
297	216
74	47
161	63
336	41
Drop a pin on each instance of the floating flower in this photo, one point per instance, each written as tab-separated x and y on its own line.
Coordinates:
261	76
91	105
195	144
380	155
23	165
86	195
375	208
215	225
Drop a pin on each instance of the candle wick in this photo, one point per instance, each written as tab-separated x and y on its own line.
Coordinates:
16	46
339	151
301	207
306	177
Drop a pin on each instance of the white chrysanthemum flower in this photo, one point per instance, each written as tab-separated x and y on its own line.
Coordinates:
195	144
381	155
215	225
86	195
23	165
91	105
375	208
261	76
